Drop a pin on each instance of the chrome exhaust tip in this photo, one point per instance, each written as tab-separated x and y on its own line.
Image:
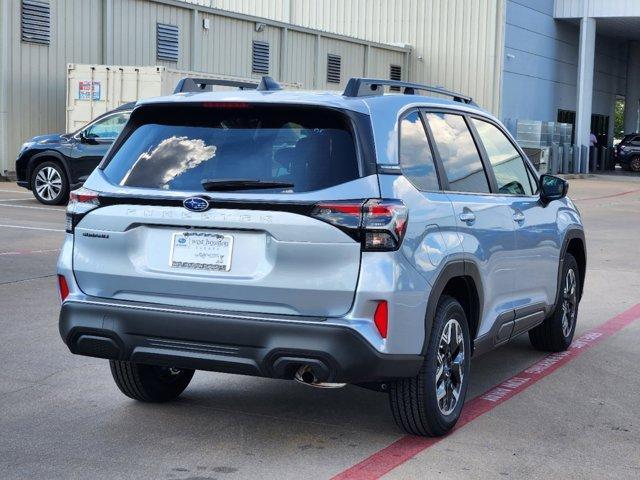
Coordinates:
307	376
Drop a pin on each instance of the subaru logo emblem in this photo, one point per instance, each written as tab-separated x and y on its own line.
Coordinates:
196	204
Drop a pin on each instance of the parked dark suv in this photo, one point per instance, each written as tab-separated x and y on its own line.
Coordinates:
628	152
53	165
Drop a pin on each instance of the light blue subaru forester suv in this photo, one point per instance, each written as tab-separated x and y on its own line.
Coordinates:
376	237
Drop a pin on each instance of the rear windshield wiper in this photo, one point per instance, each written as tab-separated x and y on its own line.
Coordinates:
241	184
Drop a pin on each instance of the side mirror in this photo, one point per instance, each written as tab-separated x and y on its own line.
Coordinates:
552	188
84	139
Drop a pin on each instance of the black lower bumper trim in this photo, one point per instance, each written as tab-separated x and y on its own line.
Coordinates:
227	344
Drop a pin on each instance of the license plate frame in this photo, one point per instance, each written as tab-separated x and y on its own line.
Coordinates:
184	259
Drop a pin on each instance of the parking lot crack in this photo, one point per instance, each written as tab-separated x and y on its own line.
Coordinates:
27	279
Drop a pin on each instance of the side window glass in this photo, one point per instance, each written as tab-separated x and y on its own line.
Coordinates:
107	128
416	159
460	157
508	166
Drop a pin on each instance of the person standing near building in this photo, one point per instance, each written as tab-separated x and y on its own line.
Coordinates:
593	140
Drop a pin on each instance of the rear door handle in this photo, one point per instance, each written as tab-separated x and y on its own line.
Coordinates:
468	217
518	217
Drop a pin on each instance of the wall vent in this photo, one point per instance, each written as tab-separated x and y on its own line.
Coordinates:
36	21
167	42
334	67
260	57
395	73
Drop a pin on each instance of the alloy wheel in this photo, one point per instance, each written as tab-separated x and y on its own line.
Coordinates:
635	164
569	302
48	183
450	367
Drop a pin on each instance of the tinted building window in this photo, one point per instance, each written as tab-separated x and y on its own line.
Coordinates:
460	157
508	165
416	159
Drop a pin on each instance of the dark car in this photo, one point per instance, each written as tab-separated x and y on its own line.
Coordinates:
628	152
53	165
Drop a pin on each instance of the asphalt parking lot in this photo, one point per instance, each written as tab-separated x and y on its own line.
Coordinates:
61	416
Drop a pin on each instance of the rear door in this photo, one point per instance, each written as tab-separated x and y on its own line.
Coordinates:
484	220
537	236
253	250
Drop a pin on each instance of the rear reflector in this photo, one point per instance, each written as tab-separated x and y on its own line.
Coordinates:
381	318
63	288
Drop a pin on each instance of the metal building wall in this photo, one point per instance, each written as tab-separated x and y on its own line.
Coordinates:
457	43
380	62
35	75
540	72
226	46
134	32
300	61
123	32
596	8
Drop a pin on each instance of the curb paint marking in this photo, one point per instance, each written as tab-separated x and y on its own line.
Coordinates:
407	447
606	196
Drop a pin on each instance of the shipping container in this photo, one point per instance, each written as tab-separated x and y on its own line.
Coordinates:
95	89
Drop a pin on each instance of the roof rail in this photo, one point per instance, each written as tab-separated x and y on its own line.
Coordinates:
189	84
363	87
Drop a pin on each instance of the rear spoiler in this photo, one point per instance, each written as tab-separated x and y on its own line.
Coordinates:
189	84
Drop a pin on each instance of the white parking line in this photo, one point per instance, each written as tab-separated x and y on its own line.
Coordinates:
28	252
15	199
32	228
29	206
14	191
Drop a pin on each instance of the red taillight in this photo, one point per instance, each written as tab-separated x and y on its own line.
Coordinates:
341	214
384	223
381	318
63	288
81	201
380	224
83	195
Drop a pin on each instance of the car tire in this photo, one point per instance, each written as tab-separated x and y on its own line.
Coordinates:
634	164
150	383
49	184
555	334
415	402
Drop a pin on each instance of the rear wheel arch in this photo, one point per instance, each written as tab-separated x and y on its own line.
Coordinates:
460	280
573	243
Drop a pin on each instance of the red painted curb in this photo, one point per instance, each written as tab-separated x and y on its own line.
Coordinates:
409	446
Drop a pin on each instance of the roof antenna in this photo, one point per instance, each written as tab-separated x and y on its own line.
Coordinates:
268	84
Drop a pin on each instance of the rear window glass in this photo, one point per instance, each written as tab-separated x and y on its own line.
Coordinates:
179	148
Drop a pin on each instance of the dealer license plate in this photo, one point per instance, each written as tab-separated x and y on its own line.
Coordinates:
201	251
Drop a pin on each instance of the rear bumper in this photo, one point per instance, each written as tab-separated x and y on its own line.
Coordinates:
226	342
